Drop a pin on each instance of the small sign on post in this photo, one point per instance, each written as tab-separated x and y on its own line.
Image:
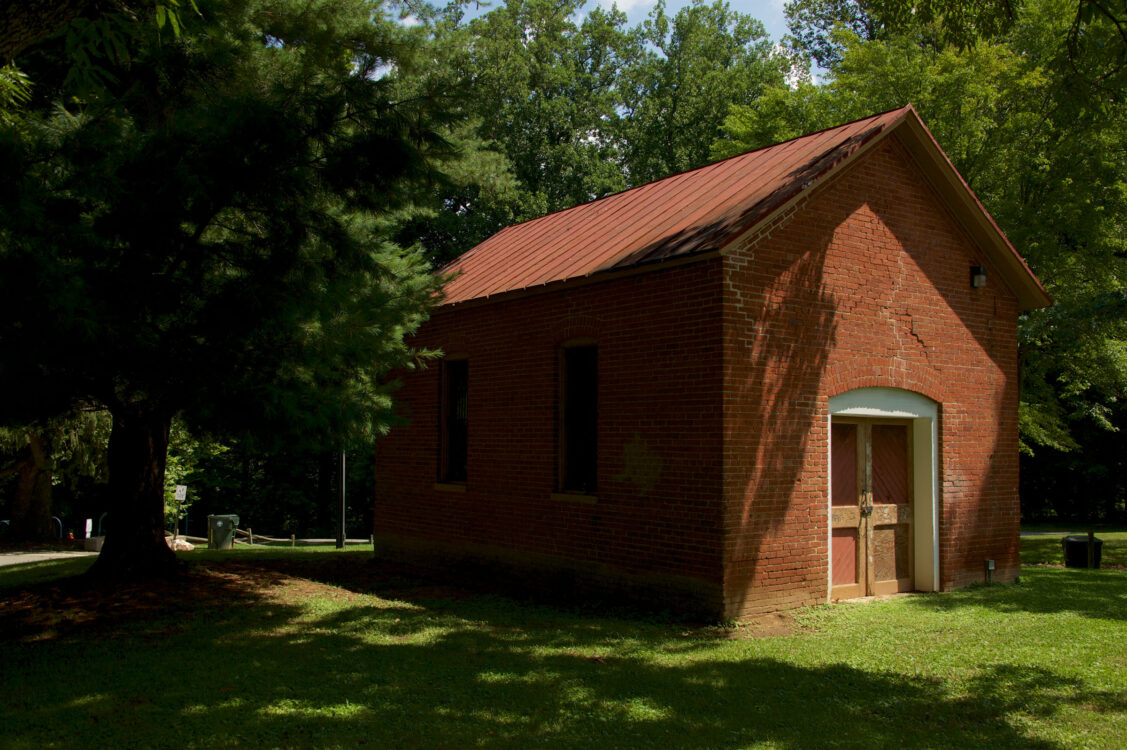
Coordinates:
181	493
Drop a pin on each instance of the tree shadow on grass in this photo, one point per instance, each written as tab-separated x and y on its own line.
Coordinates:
237	665
1099	594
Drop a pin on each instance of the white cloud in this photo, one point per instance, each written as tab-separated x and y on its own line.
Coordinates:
627	6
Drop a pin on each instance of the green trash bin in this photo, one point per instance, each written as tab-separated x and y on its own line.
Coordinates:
221	531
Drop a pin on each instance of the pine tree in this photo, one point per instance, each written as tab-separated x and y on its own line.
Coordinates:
205	234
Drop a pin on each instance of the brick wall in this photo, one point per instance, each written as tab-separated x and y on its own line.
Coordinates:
656	523
866	283
714	380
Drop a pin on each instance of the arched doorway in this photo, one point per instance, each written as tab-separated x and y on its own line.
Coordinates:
882	493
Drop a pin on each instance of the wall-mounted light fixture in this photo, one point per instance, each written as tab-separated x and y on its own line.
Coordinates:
978	276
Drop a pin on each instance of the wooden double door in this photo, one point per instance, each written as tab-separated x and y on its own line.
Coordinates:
871	504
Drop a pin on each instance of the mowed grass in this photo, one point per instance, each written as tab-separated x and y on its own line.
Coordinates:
1045	548
322	649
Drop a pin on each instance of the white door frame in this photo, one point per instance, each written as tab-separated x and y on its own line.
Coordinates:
894	403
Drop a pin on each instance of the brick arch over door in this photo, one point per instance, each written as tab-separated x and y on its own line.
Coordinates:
923	414
880	373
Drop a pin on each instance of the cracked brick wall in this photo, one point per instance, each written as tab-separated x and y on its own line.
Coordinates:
866	283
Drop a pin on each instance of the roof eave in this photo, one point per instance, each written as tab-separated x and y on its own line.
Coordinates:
594	277
970	213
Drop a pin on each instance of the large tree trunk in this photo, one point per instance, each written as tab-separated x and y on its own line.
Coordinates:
31	506
134	546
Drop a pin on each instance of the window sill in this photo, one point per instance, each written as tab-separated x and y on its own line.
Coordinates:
574	497
450	486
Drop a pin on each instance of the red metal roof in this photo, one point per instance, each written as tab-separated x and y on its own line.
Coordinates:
685	214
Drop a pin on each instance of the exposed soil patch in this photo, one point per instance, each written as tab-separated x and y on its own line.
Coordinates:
764	626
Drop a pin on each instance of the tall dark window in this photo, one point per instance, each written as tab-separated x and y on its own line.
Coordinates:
579	419
454	427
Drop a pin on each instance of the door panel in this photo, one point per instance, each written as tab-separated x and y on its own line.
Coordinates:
890	553
872	508
847	549
843	443
845	556
891	537
890	464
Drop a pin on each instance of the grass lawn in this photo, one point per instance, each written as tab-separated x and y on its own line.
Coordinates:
1045	548
313	648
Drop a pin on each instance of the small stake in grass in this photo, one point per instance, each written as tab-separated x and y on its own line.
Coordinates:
292	542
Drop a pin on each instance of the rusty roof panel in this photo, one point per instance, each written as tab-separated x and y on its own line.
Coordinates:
685	214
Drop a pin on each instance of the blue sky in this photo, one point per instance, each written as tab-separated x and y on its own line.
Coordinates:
770	12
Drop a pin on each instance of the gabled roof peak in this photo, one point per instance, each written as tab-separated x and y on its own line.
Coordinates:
704	209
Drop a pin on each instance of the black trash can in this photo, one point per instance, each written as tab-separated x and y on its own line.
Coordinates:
221	531
1076	551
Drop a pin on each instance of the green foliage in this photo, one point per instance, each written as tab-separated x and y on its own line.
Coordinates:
958	23
1044	155
225	253
477	196
52	467
566	107
695	66
186	454
815	27
283	491
76	444
544	91
209	232
15	93
79	448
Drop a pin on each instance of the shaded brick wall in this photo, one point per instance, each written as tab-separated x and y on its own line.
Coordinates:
656	522
866	283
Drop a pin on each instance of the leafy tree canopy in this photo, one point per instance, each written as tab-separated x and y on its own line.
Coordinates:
1095	35
1046	157
695	65
568	107
206	234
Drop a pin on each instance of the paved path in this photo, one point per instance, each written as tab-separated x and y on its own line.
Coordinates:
19	558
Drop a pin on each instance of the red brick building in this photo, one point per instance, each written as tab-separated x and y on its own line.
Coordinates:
780	379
